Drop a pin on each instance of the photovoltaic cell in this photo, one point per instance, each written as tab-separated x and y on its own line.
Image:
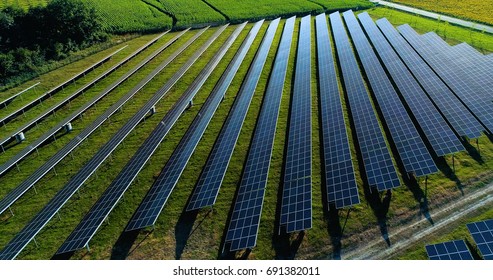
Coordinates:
410	146
245	219
482	233
28	183
436	129
379	169
20	241
469	92
87	228
151	206
202	197
463	122
296	206
451	250
340	180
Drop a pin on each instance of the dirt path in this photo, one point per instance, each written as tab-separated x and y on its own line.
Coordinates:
406	236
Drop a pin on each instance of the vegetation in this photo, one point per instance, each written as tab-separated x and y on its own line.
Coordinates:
475	10
30	38
25	4
127	16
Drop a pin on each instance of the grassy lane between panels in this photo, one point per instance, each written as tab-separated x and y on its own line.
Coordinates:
48	186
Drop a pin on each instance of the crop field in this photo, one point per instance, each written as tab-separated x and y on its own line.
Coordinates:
198	235
22	3
475	10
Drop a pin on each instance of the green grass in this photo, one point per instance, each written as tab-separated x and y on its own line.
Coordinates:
475	10
198	236
453	34
22	3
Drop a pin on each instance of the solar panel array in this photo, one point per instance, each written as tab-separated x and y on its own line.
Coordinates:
482	233
37	175
152	205
410	146
379	169
296	206
60	125
7	101
245	219
16	245
54	90
439	134
451	250
83	233
340	180
463	122
465	89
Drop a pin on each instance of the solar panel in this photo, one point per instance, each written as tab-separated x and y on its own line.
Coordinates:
16	245
60	125
439	134
244	224
340	180
28	183
460	56
152	205
54	90
463	122
468	91
451	250
86	229
7	101
482	233
410	146
296	207
379	169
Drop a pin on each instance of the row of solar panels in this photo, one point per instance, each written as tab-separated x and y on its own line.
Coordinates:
7	101
482	233
296	202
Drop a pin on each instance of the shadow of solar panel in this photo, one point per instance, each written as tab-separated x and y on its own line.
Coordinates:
470	92
463	122
482	233
298	166
379	169
150	208
340	180
244	223
451	250
439	134
411	148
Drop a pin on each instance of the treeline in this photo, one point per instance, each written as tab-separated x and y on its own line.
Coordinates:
29	39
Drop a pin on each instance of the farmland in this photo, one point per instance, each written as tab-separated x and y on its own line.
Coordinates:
475	10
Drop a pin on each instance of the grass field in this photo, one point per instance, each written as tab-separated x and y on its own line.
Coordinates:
475	10
198	235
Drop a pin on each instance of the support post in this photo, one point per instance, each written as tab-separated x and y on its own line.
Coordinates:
11	212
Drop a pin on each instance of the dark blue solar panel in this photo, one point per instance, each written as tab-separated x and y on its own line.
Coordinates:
379	169
410	146
151	206
86	229
451	250
460	56
20	241
435	128
296	207
463	122
340	180
482	233
468	91
244	223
